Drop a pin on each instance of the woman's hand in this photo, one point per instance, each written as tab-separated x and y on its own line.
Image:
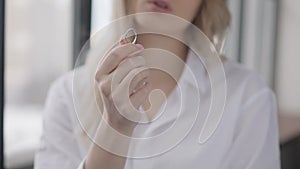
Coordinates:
123	86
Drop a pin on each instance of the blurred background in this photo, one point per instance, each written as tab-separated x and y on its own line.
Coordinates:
43	38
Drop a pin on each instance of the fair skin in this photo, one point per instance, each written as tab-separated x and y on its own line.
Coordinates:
140	86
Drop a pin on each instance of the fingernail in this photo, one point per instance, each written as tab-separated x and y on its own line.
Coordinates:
139	46
122	41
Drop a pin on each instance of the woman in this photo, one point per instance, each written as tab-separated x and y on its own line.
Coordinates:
246	136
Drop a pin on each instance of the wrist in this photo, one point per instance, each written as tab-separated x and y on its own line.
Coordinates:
112	141
120	124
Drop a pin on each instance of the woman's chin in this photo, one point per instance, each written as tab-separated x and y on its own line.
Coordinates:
162	23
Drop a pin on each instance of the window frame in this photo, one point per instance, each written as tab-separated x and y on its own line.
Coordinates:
82	25
2	25
81	33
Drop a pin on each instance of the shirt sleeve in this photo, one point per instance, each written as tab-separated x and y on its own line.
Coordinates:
256	141
58	147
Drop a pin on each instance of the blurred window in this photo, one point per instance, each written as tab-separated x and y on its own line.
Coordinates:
38	49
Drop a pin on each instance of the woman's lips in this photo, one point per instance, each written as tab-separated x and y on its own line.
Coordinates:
159	6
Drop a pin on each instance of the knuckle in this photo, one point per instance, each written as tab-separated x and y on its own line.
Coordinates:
103	80
104	87
98	76
103	90
101	84
114	54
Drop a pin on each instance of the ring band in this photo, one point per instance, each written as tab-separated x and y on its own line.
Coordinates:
135	35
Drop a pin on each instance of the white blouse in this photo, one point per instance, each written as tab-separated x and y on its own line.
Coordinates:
246	135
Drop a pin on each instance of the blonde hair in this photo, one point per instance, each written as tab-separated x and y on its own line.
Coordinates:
214	19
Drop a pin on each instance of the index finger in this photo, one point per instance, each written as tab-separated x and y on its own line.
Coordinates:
117	55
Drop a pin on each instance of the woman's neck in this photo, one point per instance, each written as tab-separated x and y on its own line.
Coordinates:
164	43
